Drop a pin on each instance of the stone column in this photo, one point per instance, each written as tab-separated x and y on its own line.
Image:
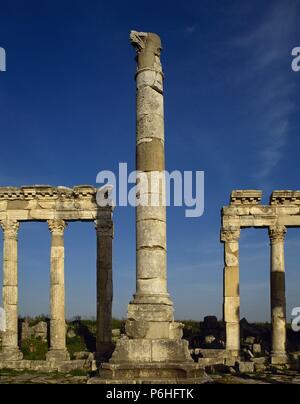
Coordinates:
152	335
58	350
151	302
10	349
278	301
152	351
151	270
231	309
105	232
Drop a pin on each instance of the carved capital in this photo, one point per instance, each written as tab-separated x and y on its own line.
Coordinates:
230	234
57	226
105	228
277	233
148	47
10	228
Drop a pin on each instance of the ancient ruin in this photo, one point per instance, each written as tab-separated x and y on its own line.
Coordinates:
57	207
152	349
246	211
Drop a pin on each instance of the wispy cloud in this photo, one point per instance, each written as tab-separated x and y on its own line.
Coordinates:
268	71
190	29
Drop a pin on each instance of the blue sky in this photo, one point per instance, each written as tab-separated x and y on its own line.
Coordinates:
67	111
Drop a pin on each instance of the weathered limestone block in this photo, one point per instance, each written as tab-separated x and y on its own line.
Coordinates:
10	295
150	126
257	348
246	197
152	286
233	338
39	330
231	255
262	210
246	367
3	206
155	213
151	233
151	263
285	197
44	203
149	102
289	221
231	309
231	282
157	310
154	330
286	210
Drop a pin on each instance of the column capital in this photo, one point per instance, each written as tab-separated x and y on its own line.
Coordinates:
104	228
148	47
230	234
277	233
57	226
10	228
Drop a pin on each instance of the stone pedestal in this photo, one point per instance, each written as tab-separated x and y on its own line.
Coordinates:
152	349
231	307
10	349
278	300
58	350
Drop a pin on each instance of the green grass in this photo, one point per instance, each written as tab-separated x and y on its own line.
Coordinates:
34	349
75	344
78	372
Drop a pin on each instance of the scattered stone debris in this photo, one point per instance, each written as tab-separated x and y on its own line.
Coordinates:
40	330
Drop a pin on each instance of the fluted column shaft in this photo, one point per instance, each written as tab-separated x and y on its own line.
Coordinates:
231	307
104	229
278	299
10	289
57	292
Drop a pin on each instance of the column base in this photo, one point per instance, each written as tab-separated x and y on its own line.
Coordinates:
279	358
58	355
150	312
151	373
11	354
233	353
142	350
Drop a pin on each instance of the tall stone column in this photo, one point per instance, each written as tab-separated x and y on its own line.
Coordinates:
151	302
152	349
58	350
231	307
10	349
278	300
105	233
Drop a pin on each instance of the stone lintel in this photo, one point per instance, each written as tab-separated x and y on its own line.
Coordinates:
286	197
46	192
42	203
246	197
